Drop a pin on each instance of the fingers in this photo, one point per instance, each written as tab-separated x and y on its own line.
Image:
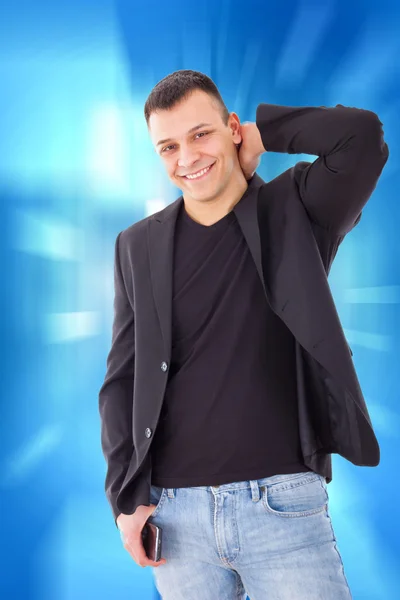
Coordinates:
134	546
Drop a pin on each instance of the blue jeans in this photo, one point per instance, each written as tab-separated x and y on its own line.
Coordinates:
270	539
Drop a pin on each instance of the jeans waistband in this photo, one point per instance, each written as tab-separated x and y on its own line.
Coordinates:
255	485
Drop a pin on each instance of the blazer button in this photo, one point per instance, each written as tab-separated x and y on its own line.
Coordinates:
164	366
148	432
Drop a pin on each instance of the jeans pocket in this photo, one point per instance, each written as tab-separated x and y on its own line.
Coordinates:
157	497
296	497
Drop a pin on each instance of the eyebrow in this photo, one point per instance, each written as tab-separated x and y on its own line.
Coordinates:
199	126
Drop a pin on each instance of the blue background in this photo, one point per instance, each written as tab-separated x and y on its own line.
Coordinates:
77	167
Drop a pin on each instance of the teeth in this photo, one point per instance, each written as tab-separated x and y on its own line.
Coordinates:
199	174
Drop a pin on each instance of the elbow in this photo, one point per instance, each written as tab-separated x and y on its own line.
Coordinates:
372	141
373	134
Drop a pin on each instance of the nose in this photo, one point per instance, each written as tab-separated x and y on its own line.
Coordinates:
188	156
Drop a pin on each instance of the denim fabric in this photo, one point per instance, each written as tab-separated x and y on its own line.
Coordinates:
270	539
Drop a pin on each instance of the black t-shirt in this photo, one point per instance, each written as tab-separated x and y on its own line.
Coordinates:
230	408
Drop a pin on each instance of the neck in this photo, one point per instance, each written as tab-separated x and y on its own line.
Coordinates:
208	212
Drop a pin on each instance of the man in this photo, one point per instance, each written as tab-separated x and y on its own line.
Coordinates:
229	381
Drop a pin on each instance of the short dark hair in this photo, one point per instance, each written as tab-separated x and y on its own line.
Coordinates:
179	85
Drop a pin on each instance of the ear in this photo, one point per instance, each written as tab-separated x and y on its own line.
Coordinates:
234	124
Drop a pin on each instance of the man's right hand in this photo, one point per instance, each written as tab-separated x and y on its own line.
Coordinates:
130	527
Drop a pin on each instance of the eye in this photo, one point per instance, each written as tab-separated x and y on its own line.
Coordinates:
166	148
172	145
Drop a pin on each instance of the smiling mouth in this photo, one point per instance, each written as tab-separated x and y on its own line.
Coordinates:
203	172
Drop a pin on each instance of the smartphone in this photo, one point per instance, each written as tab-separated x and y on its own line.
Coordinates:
152	537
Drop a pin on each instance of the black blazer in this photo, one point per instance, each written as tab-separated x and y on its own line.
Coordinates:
293	225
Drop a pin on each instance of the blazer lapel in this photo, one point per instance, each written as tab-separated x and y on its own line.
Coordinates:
161	229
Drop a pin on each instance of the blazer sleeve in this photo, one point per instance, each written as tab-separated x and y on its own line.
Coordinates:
351	154
115	396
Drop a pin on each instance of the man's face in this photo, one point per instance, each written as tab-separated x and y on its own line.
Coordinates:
191	148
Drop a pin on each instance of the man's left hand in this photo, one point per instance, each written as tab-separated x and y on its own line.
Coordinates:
251	149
